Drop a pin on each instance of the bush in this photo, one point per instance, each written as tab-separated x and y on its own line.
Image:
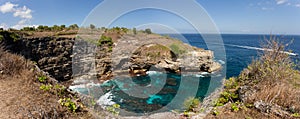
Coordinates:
46	87
105	40
114	109
134	31
15	37
271	78
42	79
92	26
176	49
1	37
191	103
148	31
272	66
67	102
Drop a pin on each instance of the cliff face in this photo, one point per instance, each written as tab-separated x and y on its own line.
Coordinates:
52	54
126	52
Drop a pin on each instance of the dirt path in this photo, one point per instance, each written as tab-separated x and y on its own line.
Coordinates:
12	96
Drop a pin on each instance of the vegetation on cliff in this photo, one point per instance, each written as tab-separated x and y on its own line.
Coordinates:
268	88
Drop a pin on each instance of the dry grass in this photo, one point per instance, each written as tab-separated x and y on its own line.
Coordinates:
21	96
12	64
272	79
248	113
274	76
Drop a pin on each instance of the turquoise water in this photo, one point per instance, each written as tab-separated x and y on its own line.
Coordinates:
155	92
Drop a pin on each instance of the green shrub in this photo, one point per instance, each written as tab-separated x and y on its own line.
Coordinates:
92	26
215	111
191	103
234	107
297	115
46	87
14	36
176	49
60	90
114	109
42	79
134	31
231	83
105	40
67	102
1	37
148	31
110	49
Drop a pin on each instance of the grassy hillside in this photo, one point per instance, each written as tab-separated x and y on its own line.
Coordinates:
268	88
27	92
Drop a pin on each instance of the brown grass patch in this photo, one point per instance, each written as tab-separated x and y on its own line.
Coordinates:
21	96
272	79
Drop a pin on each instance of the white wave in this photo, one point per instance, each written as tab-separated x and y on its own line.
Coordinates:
221	61
74	87
106	100
153	72
198	75
205	73
262	49
92	84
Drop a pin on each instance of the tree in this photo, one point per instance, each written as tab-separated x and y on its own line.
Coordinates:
55	28
134	31
124	29
46	28
63	27
25	29
73	26
148	31
92	26
103	28
40	28
32	29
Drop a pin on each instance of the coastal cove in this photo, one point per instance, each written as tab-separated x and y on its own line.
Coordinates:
240	51
158	78
150	59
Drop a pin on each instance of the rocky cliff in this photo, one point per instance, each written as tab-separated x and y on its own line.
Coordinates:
136	53
52	54
142	52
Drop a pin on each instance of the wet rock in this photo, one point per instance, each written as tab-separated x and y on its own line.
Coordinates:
171	81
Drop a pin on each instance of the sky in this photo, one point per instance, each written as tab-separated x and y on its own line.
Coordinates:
229	16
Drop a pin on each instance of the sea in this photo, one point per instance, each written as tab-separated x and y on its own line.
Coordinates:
160	92
242	49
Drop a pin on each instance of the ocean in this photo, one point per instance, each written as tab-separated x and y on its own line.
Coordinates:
242	49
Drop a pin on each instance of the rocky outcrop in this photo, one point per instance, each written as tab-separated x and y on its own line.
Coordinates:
159	57
199	60
144	52
153	56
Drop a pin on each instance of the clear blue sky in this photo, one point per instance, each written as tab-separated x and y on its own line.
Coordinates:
230	16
